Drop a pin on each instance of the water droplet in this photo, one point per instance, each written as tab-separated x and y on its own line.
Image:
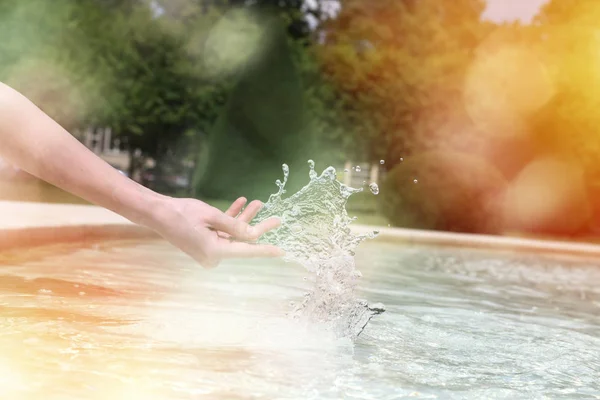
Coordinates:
312	174
374	188
381	162
330	173
296	228
346	170
401	159
358	168
364	183
415	181
388	225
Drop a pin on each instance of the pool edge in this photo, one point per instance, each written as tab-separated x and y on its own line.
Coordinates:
491	242
36	224
28	237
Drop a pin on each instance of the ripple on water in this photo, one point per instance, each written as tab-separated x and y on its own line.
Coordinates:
164	329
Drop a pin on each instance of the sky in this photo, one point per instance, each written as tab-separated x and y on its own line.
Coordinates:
512	10
497	10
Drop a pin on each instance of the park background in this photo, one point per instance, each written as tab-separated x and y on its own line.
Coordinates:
485	122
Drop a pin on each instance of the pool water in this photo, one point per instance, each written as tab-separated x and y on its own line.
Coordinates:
139	320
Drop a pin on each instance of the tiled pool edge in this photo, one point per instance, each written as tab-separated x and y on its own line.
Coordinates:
37	224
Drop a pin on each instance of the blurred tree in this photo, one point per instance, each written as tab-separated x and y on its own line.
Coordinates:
279	109
403	65
569	125
108	63
261	126
445	190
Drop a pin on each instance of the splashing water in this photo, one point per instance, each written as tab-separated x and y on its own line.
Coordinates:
374	188
315	232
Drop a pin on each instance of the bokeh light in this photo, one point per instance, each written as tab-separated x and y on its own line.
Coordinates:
505	85
548	196
234	42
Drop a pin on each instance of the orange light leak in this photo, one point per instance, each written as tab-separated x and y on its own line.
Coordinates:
46	365
504	87
530	92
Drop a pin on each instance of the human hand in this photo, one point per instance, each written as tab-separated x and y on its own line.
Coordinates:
209	235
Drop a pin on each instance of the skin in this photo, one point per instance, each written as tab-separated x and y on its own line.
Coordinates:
34	142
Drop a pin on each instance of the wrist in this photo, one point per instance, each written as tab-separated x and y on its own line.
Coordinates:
156	212
141	205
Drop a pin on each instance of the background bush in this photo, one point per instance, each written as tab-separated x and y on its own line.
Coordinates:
455	192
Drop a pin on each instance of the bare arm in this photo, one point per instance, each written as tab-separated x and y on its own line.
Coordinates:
31	140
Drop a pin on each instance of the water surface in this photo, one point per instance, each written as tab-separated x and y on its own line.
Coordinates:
139	320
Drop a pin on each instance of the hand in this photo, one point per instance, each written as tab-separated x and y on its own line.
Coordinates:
210	235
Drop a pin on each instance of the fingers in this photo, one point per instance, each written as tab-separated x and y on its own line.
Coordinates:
236	207
267	225
241	230
250	211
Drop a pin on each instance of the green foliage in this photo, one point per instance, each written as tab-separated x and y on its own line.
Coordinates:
261	126
454	192
280	109
100	63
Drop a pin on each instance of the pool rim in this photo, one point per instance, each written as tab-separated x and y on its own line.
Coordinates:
39	224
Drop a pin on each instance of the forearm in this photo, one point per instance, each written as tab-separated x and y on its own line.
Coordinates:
35	143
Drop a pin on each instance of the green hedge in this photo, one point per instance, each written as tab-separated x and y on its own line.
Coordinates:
455	192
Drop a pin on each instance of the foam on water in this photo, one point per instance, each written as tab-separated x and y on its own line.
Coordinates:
315	232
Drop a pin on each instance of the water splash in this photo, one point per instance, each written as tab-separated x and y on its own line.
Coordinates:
374	188
315	232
